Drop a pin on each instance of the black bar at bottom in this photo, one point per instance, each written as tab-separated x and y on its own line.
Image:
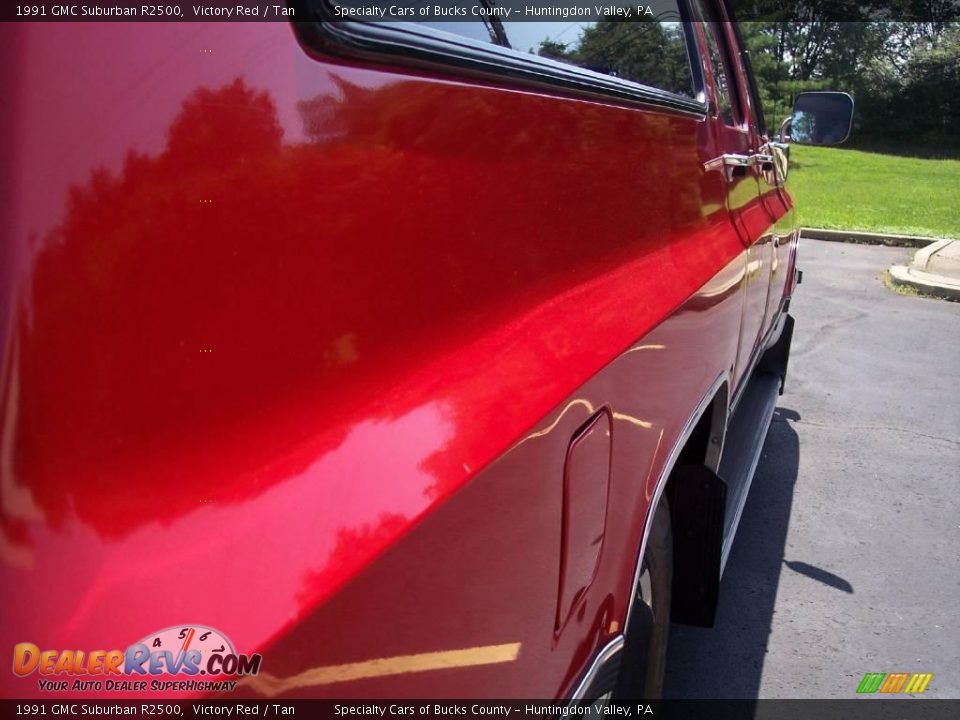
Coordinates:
864	708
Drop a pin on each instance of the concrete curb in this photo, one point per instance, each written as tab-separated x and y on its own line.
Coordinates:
921	260
927	283
935	270
867	238
939	258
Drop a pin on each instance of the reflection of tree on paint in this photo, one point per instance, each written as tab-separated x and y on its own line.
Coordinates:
139	278
351	551
260	252
236	122
180	253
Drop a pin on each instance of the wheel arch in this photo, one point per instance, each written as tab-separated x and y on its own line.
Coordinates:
701	437
699	443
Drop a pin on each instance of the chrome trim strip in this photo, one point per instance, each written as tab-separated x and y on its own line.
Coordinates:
608	651
662	481
728	538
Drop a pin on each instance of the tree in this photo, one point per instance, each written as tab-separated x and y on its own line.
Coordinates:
902	75
643	50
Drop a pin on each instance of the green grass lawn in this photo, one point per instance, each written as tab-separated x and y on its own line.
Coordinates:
854	190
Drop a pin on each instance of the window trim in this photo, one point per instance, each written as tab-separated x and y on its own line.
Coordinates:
756	106
419	46
712	30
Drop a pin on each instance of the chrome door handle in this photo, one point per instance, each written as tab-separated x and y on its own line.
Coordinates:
733	160
747	160
728	160
736	161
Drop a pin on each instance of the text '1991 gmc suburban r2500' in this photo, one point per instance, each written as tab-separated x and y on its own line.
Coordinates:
384	359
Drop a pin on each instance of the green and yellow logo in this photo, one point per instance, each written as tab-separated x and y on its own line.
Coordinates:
894	682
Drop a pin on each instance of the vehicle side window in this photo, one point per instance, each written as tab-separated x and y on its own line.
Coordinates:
727	102
485	31
645	53
725	90
756	107
648	49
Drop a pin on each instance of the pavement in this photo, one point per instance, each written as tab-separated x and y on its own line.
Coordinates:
934	270
847	559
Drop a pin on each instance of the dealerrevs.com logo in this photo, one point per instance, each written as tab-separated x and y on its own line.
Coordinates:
183	658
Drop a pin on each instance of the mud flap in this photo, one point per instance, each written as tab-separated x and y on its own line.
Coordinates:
698	499
635	655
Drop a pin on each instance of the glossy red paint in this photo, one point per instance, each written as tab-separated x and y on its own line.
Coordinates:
294	348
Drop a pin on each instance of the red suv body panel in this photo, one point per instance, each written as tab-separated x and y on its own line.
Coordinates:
294	347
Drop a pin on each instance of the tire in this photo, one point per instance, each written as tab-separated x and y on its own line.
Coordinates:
645	648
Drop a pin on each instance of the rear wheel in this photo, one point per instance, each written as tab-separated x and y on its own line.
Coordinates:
645	648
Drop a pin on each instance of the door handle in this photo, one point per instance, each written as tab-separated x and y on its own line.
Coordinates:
764	161
736	164
727	160
739	163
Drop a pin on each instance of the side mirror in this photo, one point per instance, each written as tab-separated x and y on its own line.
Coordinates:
821	118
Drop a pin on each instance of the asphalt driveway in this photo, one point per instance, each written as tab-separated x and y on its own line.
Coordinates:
847	560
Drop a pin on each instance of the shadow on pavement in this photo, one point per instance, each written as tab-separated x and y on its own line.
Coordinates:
727	660
820	575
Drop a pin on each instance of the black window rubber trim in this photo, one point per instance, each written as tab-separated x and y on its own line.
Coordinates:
420	47
751	83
